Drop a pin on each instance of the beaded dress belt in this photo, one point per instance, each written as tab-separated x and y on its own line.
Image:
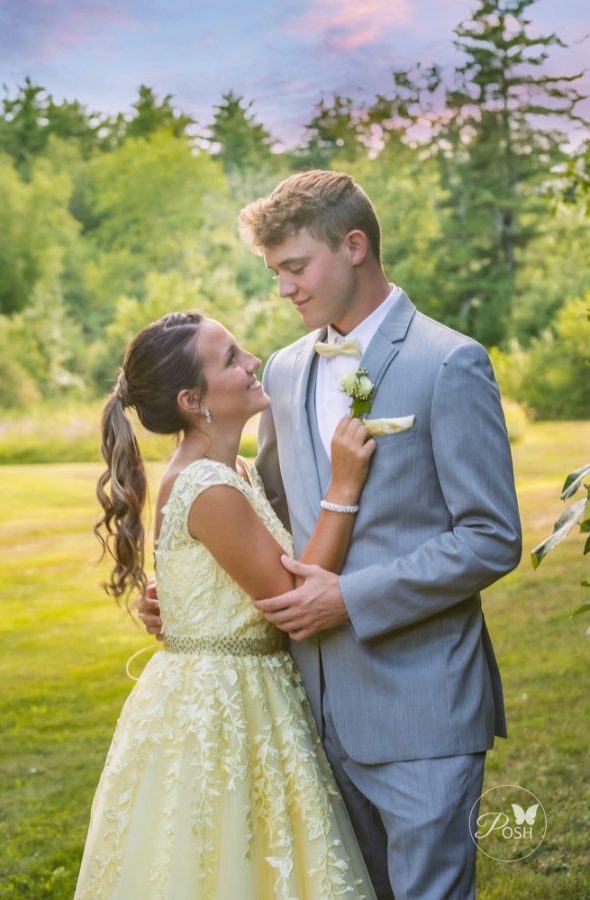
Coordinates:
224	646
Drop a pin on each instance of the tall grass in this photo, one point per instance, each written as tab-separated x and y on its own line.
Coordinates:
71	433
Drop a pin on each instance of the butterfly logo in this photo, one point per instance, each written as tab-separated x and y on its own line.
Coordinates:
522	816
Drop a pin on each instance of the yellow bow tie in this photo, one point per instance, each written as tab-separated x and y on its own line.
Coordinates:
346	348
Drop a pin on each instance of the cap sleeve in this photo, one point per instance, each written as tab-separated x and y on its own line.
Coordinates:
190	484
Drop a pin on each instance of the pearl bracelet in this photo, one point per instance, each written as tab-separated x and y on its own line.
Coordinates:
338	507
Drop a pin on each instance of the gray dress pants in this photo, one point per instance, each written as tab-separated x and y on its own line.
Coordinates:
411	819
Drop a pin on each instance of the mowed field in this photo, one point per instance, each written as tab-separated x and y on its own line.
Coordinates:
64	645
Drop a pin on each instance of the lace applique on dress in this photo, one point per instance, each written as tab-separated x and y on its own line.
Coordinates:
216	785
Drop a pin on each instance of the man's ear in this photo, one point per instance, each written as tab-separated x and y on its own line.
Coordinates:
188	402
357	244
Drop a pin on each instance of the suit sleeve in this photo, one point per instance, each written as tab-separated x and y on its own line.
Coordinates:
474	467
267	459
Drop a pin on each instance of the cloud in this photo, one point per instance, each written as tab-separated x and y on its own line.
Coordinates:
46	29
347	24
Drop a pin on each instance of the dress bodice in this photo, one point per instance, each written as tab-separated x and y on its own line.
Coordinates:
197	596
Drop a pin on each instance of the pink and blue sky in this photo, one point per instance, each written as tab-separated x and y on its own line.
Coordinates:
282	54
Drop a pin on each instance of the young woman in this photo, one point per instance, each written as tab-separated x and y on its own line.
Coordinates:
216	786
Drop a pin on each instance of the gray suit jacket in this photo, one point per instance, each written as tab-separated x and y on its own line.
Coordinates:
413	674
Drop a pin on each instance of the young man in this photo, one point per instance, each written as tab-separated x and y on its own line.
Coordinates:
394	652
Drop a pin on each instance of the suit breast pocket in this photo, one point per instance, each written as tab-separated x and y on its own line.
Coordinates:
387	442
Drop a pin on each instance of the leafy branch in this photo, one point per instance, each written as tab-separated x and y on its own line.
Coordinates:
577	513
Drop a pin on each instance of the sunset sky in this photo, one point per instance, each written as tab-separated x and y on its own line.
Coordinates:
281	54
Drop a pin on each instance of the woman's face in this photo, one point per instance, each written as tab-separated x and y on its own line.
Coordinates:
233	393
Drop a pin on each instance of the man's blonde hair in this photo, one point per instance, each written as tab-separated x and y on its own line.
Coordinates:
327	204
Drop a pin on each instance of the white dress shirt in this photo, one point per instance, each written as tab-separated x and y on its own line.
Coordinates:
330	400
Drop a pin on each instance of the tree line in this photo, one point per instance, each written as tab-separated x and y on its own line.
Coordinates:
107	222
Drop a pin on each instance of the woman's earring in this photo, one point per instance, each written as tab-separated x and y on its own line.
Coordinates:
207	414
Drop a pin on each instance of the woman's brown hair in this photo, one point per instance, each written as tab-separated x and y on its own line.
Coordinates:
161	361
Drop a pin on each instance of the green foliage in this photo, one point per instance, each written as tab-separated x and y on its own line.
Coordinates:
337	130
38	231
242	143
248	446
517	420
510	368
408	198
213	293
495	153
553	267
148	194
94	249
578	185
31	118
551	377
270	323
108	222
151	116
17	388
557	382
578	513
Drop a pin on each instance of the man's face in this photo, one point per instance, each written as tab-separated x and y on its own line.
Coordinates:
319	281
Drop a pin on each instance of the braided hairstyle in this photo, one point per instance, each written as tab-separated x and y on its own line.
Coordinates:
161	361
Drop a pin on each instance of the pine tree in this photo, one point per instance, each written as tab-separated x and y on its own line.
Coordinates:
337	129
152	115
498	141
240	141
31	117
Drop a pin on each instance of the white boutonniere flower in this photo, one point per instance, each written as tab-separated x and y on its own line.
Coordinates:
361	390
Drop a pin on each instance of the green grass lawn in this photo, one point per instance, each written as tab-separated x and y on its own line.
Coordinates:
64	647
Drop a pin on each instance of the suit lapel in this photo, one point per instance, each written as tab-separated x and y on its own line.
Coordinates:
382	349
302	433
376	359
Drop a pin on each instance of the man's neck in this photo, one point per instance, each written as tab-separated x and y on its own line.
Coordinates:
371	300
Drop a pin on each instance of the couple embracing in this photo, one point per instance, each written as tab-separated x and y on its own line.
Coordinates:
216	784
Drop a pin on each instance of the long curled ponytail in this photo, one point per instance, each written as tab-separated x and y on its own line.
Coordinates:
123	504
161	361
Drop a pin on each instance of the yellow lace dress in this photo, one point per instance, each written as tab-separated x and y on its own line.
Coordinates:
216	786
